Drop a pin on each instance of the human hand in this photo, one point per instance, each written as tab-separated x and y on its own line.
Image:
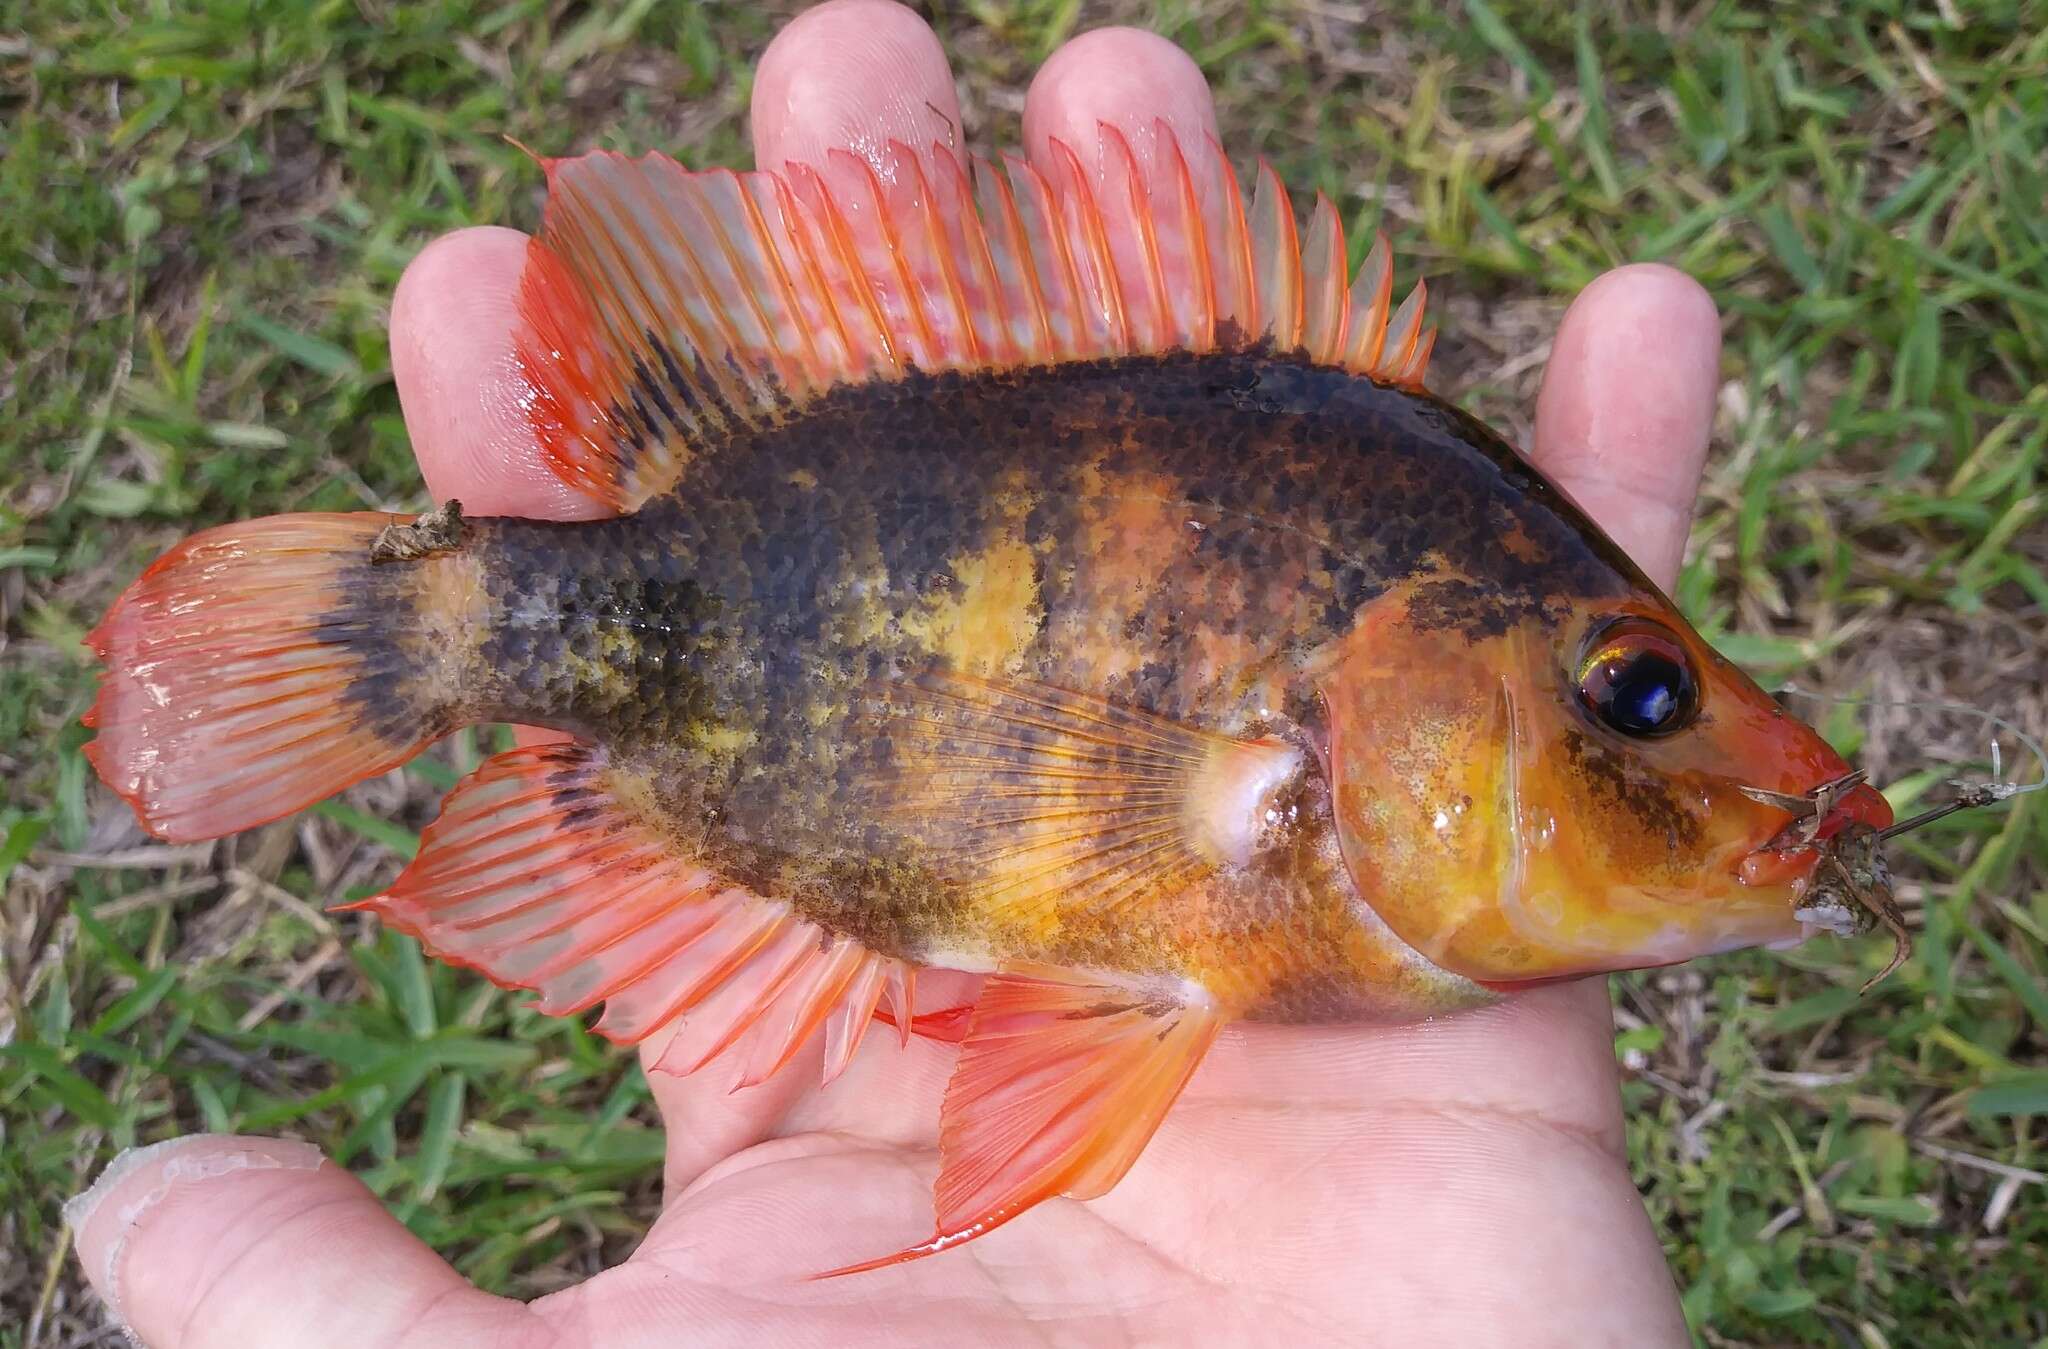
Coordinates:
1457	1182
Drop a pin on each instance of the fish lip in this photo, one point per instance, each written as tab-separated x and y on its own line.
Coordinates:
1796	850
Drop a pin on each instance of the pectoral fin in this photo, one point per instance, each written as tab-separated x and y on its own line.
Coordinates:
1040	801
1061	1082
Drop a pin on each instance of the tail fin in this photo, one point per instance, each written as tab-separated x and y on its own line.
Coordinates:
259	667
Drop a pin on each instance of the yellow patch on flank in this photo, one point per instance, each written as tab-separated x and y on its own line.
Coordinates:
993	613
726	739
993	610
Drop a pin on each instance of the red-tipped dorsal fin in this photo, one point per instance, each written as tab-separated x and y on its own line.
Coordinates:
1372	295
1129	214
1404	337
541	875
660	307
1061	1082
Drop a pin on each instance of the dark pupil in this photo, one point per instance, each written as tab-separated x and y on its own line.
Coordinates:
1644	691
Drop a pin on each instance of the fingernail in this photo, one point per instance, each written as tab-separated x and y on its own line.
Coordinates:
139	1179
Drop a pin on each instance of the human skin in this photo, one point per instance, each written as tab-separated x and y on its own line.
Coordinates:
1460	1181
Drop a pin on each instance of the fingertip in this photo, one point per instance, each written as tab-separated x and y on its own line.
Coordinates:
1127	77
1627	406
454	325
142	1180
1656	298
219	1240
852	75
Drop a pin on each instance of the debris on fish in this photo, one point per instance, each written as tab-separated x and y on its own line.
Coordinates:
1062	578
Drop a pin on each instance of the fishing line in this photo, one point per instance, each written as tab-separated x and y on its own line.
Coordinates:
1973	794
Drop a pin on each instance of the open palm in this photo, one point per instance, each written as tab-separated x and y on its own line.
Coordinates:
1455	1182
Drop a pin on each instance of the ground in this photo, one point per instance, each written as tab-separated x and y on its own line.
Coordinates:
206	208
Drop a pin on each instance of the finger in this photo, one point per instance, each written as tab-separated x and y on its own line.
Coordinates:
1125	77
852	75
1105	91
1457	1139
225	1242
453	324
707	1119
1628	404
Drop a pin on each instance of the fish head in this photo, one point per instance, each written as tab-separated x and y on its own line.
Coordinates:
1586	786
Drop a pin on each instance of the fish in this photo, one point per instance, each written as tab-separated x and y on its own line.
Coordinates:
1061	577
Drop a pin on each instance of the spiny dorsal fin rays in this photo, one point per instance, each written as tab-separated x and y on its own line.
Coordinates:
663	308
1183	245
1105	327
1021	316
979	290
844	289
1128	214
1326	301
1278	251
1372	296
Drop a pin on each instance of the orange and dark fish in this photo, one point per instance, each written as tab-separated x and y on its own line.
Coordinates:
1124	621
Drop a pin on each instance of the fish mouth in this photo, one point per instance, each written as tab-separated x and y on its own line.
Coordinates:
1831	855
1819	819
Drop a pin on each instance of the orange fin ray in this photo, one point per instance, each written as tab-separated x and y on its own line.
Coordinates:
1326	303
1277	253
1404	336
660	307
540	874
1134	231
1061	1082
1372	295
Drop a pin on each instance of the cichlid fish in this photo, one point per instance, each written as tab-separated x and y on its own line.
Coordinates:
1123	620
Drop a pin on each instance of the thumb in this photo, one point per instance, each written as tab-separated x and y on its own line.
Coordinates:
1627	407
216	1241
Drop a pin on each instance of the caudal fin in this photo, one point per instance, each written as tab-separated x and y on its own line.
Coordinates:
259	667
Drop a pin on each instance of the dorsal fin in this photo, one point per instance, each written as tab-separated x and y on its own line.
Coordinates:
663	308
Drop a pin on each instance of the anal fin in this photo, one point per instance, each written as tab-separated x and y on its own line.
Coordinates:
541	874
1061	1082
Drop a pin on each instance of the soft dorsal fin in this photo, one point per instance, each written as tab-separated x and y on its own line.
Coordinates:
662	308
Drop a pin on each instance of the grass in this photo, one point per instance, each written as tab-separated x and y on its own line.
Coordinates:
207	207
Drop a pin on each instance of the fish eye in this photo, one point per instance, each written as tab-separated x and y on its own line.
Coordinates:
1635	678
